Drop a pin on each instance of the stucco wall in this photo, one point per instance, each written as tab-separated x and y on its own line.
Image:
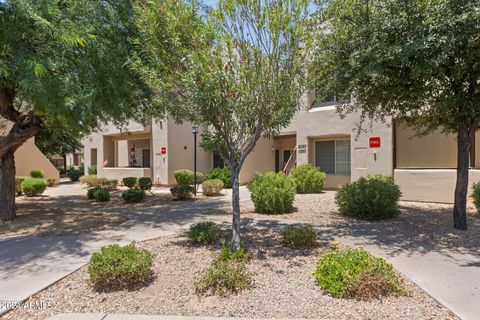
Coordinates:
260	160
159	161
430	185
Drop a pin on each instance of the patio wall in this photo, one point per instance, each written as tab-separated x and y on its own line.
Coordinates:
120	173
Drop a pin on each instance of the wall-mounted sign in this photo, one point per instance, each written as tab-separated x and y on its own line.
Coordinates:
374	142
164	150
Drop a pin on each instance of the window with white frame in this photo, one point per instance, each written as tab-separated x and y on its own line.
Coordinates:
333	157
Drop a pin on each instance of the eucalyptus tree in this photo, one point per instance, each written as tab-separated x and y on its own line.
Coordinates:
63	58
413	60
241	78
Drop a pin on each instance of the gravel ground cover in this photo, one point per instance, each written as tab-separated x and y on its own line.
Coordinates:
283	288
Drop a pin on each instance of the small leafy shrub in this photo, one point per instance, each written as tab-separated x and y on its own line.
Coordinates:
227	254
228	273
130	182
110	184
200	178
70	167
92	170
182	191
212	187
33	187
133	195
61	170
476	195
184	176
101	195
299	236
206	232
75	175
308	178
355	273
223	174
18	184
145	183
91	193
90	180
39	174
272	193
370	198
116	266
51	182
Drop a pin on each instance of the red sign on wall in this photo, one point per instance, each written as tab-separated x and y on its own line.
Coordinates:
164	150
374	142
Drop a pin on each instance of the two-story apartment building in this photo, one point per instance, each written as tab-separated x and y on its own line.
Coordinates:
424	167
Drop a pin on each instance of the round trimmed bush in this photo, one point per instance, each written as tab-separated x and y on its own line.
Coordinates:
223	174
116	266
182	191
133	195
308	178
33	187
212	187
184	176
130	182
355	273
101	195
294	236
206	232
369	198
75	175
91	193
272	193
39	174
145	183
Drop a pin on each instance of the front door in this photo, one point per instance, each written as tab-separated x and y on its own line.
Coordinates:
146	158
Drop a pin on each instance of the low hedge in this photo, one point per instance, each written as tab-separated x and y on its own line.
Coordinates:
300	236
145	183
476	195
184	176
116	266
370	198
272	193
18	184
182	191
355	273
75	174
101	195
33	187
133	195
308	178
212	187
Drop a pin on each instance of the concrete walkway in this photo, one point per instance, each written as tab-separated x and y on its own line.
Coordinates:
101	316
29	264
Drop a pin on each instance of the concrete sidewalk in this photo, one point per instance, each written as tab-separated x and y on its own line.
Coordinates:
101	316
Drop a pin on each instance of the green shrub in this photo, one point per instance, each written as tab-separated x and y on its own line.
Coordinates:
130	182
92	170
110	184
39	174
476	195
228	273
223	174
51	182
370	198
308	178
182	191
70	167
200	178
33	187
18	183
90	180
355	273
145	183
184	176
212	187
116	266
272	193
91	193
101	195
133	195
299	236
75	175
206	232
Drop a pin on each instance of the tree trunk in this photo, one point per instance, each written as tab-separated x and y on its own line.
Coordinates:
461	188
235	244
7	186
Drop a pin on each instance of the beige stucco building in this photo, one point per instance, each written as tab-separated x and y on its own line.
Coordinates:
424	167
28	157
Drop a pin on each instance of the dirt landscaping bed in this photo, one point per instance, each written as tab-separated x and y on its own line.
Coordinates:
284	287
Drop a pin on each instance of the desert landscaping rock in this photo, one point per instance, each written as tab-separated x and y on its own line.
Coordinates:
284	288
